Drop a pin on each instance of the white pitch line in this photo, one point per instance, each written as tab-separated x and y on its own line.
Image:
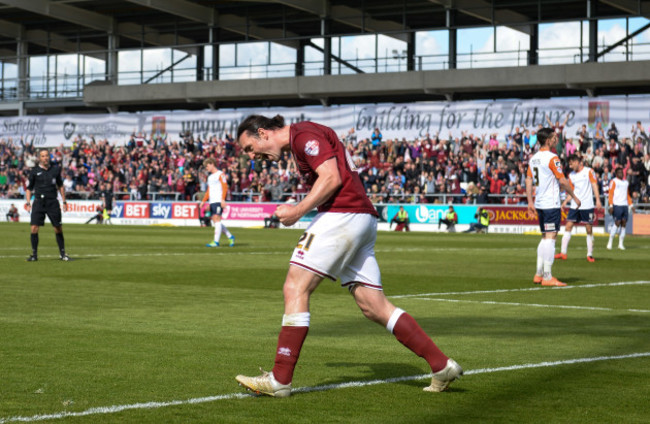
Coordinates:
580	286
128	255
535	305
155	405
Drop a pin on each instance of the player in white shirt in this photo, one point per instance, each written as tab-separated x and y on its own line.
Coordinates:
216	195
545	173
585	185
620	203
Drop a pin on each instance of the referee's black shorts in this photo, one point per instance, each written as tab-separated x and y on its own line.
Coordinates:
49	207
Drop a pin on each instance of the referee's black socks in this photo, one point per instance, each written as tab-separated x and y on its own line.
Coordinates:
34	238
59	241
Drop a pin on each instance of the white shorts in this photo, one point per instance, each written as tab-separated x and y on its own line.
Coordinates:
340	245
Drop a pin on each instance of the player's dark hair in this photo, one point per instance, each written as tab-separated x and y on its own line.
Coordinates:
252	123
544	134
574	157
43	149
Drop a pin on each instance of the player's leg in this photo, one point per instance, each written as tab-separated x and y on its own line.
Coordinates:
615	227
539	269
298	287
549	225
566	238
215	210
362	276
548	252
621	235
34	242
590	242
54	213
541	248
228	234
37	220
376	307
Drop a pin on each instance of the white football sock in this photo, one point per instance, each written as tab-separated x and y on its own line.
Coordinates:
590	244
299	319
621	236
566	238
225	230
549	256
540	258
393	319
217	231
612	233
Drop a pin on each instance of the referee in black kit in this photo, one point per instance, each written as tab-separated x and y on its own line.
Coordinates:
44	181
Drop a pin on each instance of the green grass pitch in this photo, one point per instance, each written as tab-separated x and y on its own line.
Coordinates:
147	318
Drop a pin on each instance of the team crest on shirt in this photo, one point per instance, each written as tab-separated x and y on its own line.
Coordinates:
311	148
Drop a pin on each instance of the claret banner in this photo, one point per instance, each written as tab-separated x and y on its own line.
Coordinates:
396	121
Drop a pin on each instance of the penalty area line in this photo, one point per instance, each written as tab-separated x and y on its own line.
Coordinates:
155	405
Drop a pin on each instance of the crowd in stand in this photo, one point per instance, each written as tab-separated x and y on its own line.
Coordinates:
467	169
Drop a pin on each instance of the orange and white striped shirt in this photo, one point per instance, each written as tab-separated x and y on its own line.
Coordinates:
217	187
545	169
582	187
618	193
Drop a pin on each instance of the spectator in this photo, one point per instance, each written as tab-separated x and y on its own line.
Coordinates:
401	219
483	222
450	220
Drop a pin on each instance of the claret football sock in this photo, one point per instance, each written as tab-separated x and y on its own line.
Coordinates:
408	332
292	335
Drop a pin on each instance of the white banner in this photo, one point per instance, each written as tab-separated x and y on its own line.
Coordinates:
394	120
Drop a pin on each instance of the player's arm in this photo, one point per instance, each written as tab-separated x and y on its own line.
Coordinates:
567	199
224	190
567	186
610	200
206	196
327	183
594	187
529	192
62	192
28	191
629	201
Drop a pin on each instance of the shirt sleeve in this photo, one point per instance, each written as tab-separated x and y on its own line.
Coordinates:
313	149
592	176
31	180
224	187
59	180
556	167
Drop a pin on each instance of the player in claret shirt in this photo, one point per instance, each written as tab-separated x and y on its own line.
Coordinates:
339	243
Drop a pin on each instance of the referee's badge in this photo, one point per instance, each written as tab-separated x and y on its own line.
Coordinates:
311	148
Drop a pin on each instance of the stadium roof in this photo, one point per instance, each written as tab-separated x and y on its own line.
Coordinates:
178	22
59	26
